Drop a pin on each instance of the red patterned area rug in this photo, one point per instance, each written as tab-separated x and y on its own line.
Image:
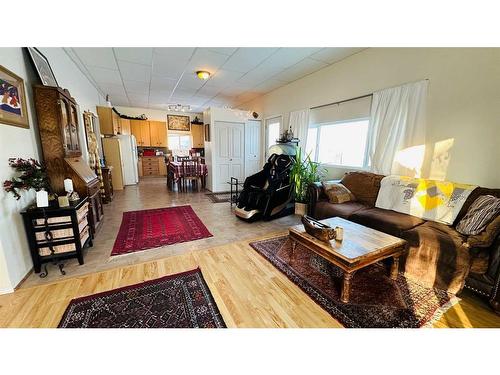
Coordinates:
376	301
147	229
182	300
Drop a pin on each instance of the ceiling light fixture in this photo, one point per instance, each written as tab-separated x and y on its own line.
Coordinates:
178	107
203	74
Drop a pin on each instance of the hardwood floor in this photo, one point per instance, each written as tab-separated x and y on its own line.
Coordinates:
248	290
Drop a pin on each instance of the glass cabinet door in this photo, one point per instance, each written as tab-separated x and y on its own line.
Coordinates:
74	128
65	127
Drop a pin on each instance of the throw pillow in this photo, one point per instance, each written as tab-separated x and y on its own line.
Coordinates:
337	193
487	236
480	214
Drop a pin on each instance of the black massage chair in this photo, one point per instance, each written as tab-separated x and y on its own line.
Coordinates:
268	193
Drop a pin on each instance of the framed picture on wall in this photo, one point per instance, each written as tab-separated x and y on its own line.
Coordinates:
13	109
207	132
179	123
42	67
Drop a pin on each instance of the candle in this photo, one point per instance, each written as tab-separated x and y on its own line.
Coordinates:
68	185
42	198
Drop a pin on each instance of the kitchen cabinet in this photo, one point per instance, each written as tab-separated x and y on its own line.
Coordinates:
125	126
153	166
197	132
140	129
158	133
109	121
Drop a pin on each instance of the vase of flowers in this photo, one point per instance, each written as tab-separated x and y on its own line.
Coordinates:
304	172
32	176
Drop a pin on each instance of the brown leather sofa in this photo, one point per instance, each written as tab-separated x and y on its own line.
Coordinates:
438	255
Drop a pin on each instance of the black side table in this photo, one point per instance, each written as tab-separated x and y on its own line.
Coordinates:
57	233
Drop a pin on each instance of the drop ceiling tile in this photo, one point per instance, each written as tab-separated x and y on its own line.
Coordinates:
224	78
94	56
119	100
136	55
178	53
204	59
259	74
224	50
103	75
137	87
190	81
162	83
246	59
159	96
208	90
198	100
183	93
332	55
299	70
269	85
289	56
134	72
171	65
110	88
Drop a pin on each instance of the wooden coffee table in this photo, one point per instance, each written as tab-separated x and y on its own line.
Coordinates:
361	247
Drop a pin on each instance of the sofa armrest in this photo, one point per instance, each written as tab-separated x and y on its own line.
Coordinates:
494	273
316	193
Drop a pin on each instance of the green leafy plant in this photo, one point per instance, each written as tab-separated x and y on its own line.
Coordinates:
32	176
304	172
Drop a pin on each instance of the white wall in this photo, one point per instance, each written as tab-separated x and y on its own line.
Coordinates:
15	260
463	107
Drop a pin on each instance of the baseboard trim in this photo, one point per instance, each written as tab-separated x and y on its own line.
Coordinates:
6	291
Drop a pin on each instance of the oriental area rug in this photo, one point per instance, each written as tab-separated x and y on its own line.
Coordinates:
219	197
147	229
376	301
182	300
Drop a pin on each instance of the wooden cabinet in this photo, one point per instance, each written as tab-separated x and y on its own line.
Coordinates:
140	129
109	121
108	183
58	127
153	166
125	126
197	131
158	133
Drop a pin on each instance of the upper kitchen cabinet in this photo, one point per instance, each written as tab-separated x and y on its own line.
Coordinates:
109	121
140	129
158	133
198	134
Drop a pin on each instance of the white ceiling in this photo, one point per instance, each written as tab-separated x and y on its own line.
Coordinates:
157	77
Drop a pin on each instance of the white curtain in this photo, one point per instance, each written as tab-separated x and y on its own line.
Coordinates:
299	122
397	129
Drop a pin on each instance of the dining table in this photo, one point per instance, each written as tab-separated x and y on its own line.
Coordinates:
174	173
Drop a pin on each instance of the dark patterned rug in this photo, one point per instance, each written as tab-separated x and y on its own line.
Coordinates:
376	300
147	229
182	300
219	197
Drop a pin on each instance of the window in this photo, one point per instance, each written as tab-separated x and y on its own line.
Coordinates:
179	142
273	126
341	143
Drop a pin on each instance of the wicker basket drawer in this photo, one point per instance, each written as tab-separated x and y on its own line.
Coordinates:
84	235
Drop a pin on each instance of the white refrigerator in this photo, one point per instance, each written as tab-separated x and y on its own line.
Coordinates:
129	159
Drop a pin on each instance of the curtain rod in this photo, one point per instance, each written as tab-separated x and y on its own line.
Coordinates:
342	101
348	100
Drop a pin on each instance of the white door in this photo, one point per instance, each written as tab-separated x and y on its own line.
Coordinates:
229	153
252	147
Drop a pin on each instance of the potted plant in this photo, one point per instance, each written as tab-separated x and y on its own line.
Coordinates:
32	176
304	172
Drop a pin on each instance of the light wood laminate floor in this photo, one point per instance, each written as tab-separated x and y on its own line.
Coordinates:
153	193
248	290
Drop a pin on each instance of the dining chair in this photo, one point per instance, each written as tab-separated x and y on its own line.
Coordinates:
190	171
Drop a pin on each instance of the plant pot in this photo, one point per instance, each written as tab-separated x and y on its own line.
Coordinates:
300	208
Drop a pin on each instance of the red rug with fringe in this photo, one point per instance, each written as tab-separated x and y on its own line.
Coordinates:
147	229
182	300
376	300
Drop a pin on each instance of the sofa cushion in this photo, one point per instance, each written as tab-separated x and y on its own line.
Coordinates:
337	193
387	221
325	209
480	214
476	193
486	237
364	186
437	256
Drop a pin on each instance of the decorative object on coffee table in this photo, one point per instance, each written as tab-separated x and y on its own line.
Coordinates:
317	229
376	301
12	99
147	229
181	300
361	247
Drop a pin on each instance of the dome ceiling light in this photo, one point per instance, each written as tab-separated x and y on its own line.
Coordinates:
203	74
